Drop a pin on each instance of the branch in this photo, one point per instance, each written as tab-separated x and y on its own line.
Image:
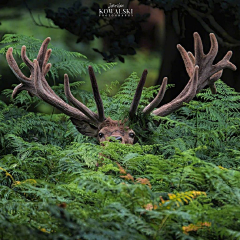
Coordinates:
221	30
40	24
199	16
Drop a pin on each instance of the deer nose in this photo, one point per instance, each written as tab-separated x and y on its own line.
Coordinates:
118	138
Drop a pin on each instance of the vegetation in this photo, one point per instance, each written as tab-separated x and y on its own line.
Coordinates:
180	181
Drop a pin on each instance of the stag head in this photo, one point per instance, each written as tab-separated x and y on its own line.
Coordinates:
111	130
199	67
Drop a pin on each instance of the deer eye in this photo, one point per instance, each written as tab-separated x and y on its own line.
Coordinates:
100	135
132	135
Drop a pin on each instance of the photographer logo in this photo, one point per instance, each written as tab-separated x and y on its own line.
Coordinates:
115	10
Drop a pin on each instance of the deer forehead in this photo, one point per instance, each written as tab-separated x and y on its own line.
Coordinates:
111	130
111	127
109	123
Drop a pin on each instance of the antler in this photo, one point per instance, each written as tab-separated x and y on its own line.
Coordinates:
37	86
201	71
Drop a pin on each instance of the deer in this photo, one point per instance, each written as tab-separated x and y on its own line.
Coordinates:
199	66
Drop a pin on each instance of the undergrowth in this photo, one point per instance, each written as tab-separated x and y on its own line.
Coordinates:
180	181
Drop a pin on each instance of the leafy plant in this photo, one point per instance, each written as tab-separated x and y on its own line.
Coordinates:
73	63
180	181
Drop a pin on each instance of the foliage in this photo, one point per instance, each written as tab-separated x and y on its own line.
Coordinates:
181	182
73	63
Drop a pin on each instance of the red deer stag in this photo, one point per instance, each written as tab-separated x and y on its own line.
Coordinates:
200	69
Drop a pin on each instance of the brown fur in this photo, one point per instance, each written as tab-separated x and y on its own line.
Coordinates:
113	129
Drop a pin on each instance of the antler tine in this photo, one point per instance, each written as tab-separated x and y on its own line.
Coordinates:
188	60
192	86
225	63
26	60
42	58
17	90
42	52
46	66
192	58
212	81
96	94
26	83
80	106
214	47
138	93
198	49
51	99
13	65
156	101
178	102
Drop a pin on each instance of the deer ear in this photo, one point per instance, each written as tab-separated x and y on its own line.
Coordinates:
85	128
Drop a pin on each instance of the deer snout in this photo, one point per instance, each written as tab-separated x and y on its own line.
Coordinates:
118	138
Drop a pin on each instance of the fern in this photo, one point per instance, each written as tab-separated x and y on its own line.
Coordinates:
73	63
180	181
